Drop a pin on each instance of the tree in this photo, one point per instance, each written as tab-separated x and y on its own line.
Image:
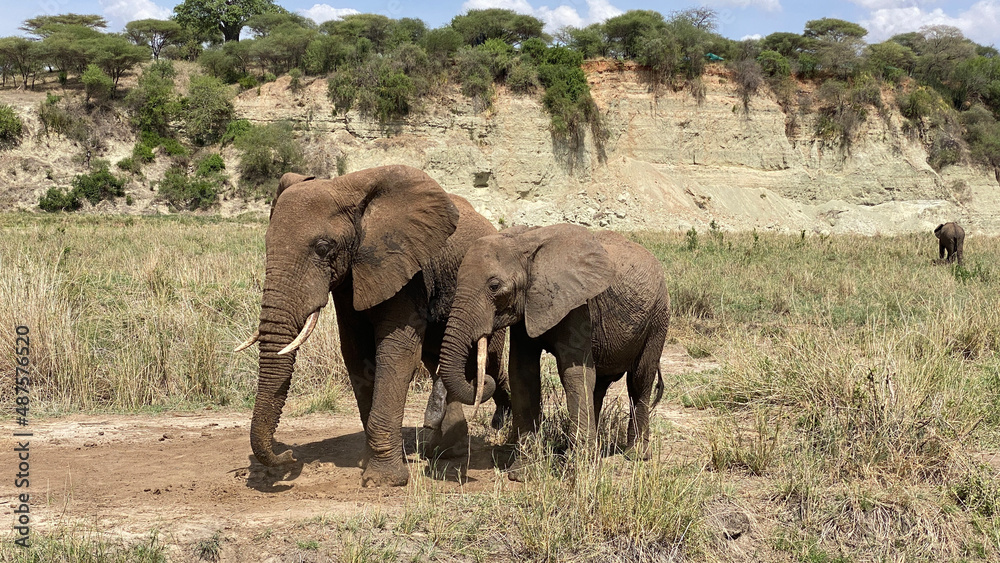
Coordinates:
832	29
67	47
41	26
206	17
154	34
705	19
477	26
838	43
21	56
263	24
96	84
589	41
116	55
625	32
942	49
209	108
787	44
889	60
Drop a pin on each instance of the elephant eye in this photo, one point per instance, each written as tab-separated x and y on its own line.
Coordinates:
493	285
323	248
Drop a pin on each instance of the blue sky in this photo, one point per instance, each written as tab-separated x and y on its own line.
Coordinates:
978	19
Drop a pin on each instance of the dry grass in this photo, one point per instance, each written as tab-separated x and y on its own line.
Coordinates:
859	387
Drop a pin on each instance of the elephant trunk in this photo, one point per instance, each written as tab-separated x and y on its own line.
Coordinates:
277	330
459	338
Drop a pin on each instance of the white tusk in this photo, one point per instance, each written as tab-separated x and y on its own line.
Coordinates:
303	335
249	342
480	374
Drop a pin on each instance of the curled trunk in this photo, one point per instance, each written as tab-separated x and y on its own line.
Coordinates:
459	338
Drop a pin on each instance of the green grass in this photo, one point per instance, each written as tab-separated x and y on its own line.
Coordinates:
84	547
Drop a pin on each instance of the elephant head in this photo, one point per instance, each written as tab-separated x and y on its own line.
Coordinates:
378	227
533	275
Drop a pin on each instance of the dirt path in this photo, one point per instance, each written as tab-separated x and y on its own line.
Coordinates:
190	475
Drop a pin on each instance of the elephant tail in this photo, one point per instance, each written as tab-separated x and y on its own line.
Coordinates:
659	389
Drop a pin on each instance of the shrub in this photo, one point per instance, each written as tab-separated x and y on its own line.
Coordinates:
99	185
209	108
341	90
209	165
295	84
522	78
129	164
184	192
773	63
268	152
173	147
152	102
917	104
97	84
58	199
234	129
247	82
58	119
142	153
748	79
11	127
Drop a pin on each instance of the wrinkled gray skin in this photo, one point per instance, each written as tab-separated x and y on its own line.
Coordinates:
951	239
596	301
387	243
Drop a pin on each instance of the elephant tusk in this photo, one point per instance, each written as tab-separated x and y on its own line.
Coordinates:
480	374
303	335
249	342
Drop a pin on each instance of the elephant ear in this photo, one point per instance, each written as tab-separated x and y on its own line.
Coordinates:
287	179
407	219
567	266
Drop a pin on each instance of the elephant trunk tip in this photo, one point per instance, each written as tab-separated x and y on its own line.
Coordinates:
268	458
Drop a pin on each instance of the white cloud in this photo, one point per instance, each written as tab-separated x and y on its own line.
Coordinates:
981	22
754	37
320	13
766	5
120	12
554	18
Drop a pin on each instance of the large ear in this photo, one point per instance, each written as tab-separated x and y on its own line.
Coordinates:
567	266
287	179
407	219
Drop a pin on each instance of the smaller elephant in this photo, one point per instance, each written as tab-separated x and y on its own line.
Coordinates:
596	301
951	239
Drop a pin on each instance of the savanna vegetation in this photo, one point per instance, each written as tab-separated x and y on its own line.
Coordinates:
945	85
857	385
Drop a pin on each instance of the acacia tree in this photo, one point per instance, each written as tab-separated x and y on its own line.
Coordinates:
153	33
115	55
207	17
42	26
21	56
838	43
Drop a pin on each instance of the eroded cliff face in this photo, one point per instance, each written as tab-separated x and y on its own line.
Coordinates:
671	163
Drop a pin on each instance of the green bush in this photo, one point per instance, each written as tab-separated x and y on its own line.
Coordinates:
774	63
234	129
522	78
152	102
11	127
99	185
173	147
58	199
184	192
129	164
268	152
917	104
247	82
209	165
57	118
208	109
295	84
341	90
142	153
97	84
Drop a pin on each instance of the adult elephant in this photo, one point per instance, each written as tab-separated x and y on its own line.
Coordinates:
386	243
951	240
596	301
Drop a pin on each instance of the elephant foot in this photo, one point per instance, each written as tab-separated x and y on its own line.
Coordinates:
634	453
518	471
385	474
451	439
500	417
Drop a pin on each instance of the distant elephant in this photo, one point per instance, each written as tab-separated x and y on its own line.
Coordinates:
387	243
951	239
596	301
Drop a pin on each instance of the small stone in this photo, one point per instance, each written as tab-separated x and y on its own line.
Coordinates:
89	444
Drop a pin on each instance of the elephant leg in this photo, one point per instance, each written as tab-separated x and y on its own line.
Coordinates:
495	369
601	391
396	359
445	429
572	348
524	373
959	247
357	345
640	382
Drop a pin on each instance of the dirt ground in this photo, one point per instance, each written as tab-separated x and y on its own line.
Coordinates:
191	474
